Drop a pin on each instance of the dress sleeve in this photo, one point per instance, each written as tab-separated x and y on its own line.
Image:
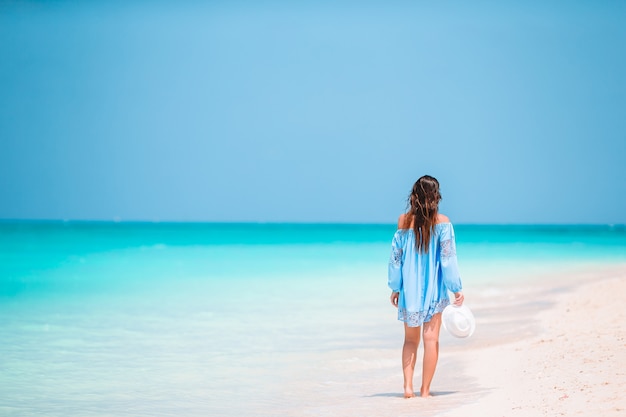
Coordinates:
449	265
394	275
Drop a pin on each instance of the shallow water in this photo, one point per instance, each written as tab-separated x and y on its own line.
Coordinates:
220	319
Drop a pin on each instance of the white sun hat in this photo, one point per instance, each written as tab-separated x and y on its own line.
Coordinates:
458	321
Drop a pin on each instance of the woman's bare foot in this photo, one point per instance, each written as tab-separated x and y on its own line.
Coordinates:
425	393
408	392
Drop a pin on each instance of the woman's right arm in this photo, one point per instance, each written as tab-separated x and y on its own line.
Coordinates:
458	298
449	265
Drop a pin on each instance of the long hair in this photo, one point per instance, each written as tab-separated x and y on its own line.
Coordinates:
422	209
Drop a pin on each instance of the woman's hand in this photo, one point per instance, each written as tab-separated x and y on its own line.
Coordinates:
458	298
394	298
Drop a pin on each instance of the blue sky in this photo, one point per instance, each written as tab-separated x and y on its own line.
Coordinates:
312	111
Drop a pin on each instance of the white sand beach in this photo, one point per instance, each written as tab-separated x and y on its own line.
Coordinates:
555	347
573	364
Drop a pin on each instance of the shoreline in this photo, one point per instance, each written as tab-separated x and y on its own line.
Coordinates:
325	344
567	358
529	357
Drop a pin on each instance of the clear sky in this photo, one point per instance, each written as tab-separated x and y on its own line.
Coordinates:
313	111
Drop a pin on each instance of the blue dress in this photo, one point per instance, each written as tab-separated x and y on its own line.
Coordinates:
423	279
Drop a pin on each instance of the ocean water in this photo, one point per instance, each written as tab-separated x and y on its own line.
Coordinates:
149	319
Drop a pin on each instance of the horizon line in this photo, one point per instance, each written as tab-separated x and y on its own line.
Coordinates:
251	222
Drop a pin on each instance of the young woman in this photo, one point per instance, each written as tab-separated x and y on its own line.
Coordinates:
422	269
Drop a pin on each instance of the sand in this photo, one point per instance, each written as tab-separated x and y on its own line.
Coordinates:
554	346
571	360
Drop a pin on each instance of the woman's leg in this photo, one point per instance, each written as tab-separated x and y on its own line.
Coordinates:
431	352
409	354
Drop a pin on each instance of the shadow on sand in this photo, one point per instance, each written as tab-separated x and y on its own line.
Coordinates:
401	395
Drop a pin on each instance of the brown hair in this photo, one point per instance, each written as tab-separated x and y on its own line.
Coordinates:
422	208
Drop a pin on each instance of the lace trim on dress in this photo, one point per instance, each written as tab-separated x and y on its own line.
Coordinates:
417	318
396	257
448	249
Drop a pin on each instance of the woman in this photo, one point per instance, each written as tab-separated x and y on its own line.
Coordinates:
422	269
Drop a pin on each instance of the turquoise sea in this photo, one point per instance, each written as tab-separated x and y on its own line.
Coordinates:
171	319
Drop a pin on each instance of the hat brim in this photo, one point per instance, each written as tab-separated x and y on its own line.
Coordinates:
458	321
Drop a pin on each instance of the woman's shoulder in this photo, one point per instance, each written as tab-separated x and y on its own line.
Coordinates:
443	225
442	218
404	221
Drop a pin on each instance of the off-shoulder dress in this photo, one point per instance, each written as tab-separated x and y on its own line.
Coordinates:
423	279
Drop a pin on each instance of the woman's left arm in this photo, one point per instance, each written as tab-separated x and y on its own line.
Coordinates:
394	271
